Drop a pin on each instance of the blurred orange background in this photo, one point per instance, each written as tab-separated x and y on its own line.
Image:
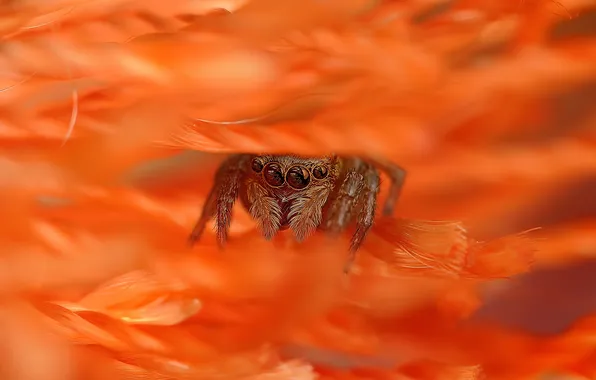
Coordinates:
115	114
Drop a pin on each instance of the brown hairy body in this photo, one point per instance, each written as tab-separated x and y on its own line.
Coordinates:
299	193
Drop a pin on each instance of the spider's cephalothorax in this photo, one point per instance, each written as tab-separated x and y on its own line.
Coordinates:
299	193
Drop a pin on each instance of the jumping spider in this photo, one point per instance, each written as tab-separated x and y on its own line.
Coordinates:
299	193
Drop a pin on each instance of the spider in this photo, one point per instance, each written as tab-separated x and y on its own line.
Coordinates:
303	194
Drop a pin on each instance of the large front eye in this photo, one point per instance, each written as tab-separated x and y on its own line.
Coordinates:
298	177
273	175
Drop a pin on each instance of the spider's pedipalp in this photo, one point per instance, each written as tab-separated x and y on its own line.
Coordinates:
263	209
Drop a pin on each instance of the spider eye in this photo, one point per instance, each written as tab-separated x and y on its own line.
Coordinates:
273	175
298	177
257	165
320	172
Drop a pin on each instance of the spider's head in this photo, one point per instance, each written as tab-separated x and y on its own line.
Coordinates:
297	186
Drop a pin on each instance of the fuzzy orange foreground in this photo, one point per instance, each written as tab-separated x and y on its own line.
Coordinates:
111	111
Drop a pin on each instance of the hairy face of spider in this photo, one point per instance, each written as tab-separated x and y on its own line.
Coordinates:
277	189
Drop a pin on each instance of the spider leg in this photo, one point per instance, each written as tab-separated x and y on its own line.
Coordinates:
207	214
221	199
355	198
397	176
340	208
367	203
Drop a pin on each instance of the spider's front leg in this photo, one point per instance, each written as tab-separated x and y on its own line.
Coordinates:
366	206
221	199
397	177
355	198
